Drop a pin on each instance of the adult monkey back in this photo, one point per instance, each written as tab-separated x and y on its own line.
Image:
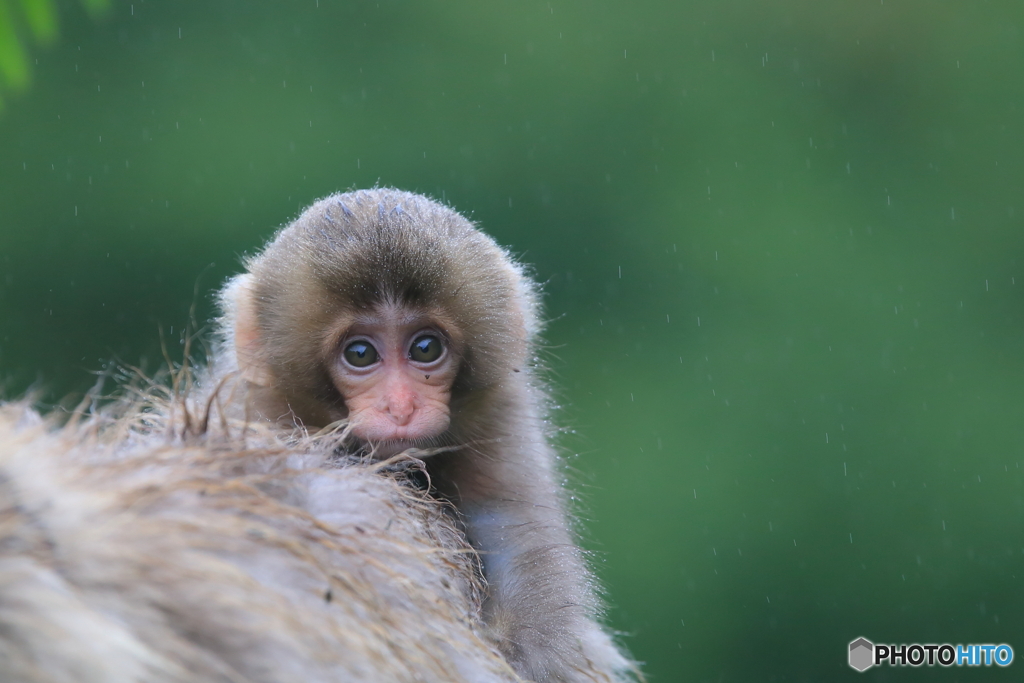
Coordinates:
391	311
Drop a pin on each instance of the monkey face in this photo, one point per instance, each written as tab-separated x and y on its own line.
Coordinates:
394	367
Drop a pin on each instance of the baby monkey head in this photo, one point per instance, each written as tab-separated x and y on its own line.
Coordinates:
383	307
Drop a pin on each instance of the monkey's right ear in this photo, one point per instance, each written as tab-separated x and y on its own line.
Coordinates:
249	352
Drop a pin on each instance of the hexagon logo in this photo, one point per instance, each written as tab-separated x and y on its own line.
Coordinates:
862	653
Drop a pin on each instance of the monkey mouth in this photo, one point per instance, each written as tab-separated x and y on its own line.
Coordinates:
387	448
420	448
391	447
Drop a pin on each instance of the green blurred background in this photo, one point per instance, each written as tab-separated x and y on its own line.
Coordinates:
781	242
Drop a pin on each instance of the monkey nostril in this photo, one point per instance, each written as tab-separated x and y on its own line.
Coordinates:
401	413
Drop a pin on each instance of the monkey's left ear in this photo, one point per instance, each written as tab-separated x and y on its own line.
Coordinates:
249	351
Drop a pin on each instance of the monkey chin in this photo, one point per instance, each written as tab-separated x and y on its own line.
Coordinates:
385	441
417	448
385	436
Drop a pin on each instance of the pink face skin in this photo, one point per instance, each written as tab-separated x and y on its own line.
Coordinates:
395	370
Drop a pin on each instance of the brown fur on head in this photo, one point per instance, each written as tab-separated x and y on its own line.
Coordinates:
365	250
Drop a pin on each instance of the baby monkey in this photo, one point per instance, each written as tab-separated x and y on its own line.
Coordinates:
391	311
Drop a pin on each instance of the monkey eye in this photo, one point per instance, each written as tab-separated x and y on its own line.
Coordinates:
426	349
360	354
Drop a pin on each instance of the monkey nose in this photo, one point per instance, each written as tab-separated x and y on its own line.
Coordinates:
400	409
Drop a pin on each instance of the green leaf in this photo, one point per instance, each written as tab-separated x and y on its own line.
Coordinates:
13	64
41	16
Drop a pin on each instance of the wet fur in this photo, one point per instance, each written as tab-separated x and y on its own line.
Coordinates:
137	545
